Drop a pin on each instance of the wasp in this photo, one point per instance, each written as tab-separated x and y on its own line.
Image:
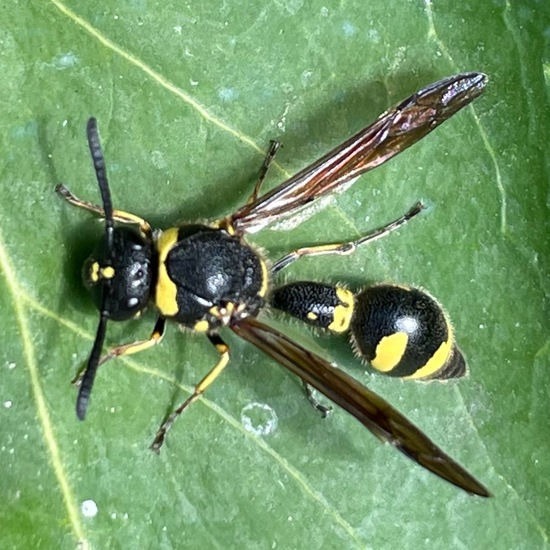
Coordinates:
206	277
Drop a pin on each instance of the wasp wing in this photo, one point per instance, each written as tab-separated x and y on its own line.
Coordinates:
377	415
393	132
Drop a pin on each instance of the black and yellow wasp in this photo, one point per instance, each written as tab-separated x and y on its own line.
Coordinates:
206	277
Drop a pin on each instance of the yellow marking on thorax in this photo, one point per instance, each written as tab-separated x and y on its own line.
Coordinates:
343	312
201	326
225	225
225	311
265	278
438	360
389	351
166	291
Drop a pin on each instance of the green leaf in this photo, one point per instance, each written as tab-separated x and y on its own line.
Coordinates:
187	96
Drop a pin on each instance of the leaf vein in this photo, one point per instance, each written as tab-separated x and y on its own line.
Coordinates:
160	79
432	33
227	417
39	397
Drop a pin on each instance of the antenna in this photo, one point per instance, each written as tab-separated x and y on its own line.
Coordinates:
93	362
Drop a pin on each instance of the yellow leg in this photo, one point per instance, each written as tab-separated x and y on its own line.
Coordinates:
118	215
134	347
200	388
345	249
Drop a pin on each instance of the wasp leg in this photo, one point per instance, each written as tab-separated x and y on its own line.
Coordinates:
129	349
345	249
223	350
118	215
325	411
342	249
270	155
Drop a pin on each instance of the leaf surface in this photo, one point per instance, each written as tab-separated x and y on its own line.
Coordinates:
187	96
